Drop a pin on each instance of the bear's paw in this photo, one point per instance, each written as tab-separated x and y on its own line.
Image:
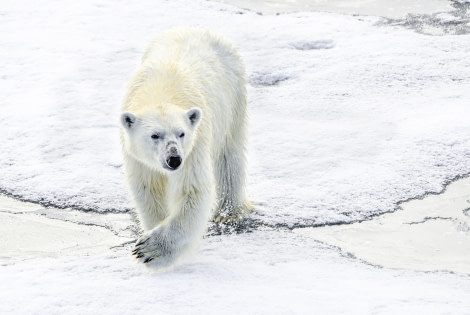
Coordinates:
157	248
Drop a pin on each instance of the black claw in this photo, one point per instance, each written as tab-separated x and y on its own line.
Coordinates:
148	260
140	255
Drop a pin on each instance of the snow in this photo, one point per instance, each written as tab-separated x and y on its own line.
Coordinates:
348	117
266	272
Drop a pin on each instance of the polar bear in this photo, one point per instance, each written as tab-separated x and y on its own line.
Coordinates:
183	134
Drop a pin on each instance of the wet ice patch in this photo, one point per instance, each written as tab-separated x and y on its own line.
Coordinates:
447	18
312	45
456	22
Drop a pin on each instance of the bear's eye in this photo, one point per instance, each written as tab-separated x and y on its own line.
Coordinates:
155	136
182	135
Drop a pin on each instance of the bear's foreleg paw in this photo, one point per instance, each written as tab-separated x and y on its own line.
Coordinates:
154	249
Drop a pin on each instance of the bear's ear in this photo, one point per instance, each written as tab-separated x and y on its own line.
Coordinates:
194	116
128	120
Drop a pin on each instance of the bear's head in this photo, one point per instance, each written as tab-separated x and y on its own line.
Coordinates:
161	138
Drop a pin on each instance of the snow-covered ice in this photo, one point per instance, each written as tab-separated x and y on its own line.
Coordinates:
338	132
349	115
385	8
266	272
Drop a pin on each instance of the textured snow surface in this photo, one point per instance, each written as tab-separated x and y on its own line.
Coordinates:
347	117
257	273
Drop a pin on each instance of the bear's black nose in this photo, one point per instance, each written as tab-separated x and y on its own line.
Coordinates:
174	162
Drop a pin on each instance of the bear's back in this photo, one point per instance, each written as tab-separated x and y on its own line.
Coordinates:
212	65
192	47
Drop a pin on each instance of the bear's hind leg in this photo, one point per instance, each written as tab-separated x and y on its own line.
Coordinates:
232	203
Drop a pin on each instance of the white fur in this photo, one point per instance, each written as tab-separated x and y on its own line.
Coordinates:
190	82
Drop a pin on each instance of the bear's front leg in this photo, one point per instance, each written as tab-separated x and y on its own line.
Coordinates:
176	235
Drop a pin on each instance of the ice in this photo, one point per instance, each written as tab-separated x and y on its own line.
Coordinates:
258	273
425	234
386	8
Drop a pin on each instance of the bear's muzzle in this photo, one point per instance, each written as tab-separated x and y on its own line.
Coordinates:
173	162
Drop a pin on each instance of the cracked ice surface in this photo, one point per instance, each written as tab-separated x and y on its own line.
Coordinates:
289	273
428	234
347	118
30	231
